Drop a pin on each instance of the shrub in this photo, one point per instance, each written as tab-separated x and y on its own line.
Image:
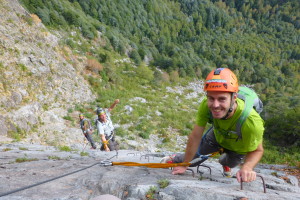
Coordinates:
135	57
70	110
71	43
79	108
284	129
163	183
94	66
19	160
121	132
7	149
151	192
28	19
54	158
35	18
65	148
174	76
23	67
18	134
84	153
165	77
68	118
144	135
145	73
166	140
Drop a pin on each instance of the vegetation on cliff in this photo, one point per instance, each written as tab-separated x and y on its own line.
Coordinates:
258	39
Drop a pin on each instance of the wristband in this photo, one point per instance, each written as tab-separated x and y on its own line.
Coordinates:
105	142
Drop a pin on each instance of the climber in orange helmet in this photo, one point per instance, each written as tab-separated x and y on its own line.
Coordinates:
222	108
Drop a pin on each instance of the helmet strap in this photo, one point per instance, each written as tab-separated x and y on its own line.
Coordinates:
230	108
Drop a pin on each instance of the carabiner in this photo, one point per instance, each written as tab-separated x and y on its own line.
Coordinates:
106	163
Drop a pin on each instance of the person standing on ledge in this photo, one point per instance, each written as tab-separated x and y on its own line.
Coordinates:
87	130
105	128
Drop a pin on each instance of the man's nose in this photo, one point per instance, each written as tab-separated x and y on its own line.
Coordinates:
216	103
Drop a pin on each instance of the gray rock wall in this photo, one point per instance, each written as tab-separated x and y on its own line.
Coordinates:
126	183
39	81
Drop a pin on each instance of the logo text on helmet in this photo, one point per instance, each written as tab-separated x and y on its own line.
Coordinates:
216	81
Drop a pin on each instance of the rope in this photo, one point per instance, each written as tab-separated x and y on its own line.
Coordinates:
194	162
46	181
152	165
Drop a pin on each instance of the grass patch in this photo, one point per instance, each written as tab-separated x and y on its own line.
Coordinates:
163	183
121	132
280	155
20	160
79	108
84	153
17	135
166	140
23	148
65	148
45	107
54	158
7	149
68	118
151	192
22	67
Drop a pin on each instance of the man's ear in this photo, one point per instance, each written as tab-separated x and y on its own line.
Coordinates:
235	96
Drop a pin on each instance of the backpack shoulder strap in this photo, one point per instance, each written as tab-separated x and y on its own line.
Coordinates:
249	97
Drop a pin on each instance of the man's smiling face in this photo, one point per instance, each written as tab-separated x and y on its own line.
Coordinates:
218	103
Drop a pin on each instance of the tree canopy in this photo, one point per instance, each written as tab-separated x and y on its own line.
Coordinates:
258	39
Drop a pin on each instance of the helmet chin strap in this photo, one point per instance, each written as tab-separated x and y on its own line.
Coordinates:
230	108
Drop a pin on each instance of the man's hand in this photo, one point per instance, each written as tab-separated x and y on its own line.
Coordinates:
179	170
106	148
246	175
113	105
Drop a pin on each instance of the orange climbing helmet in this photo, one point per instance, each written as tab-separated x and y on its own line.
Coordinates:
221	80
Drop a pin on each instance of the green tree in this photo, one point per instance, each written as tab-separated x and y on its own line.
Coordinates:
284	129
145	73
44	15
135	57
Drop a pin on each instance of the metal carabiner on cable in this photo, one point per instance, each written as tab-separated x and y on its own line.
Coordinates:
106	163
199	160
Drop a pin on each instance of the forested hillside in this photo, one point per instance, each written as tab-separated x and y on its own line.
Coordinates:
258	39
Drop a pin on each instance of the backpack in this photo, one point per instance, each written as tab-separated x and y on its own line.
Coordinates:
89	122
251	100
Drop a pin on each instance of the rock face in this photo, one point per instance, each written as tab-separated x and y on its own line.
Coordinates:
38	79
127	183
